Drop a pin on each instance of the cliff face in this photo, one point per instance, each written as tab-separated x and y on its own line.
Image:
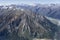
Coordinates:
23	24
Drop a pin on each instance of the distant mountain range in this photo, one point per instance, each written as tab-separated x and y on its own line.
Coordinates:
50	10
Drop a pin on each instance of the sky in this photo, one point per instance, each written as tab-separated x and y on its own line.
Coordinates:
7	2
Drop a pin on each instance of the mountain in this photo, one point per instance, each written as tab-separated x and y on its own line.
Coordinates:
23	24
57	22
50	10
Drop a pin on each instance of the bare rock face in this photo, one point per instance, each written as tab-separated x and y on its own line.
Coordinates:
25	25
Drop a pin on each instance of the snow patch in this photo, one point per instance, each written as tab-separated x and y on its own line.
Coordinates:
22	9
